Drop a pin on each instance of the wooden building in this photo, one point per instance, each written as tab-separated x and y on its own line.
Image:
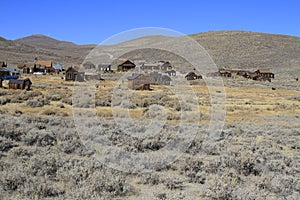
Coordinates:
26	67
4	72
125	66
19	84
156	78
3	64
44	66
265	73
161	66
192	76
171	72
74	75
88	65
88	76
138	82
225	73
104	68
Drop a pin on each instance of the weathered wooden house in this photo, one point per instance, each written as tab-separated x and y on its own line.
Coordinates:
125	66
161	66
12	72
4	72
192	76
171	72
157	78
45	66
91	76
26	67
150	67
3	64
225	73
265	73
138	82
73	74
88	65
104	67
19	84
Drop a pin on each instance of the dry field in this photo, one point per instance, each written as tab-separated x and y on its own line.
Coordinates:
256	156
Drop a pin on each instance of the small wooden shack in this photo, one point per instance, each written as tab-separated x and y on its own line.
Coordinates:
3	64
138	82
19	84
26	67
45	66
161	66
156	78
104	67
192	76
88	65
74	75
171	72
88	76
225	73
125	66
265	73
4	72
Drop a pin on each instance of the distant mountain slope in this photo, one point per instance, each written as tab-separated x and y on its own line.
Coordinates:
241	49
235	49
43	47
43	41
232	49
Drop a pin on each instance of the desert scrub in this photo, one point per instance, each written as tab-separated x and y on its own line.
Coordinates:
38	102
4	100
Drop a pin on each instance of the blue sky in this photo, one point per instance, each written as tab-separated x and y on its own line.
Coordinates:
93	21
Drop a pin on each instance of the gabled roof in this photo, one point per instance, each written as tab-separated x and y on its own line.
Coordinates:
126	62
25	64
18	81
264	71
46	63
3	64
58	66
2	69
134	76
104	65
166	77
10	69
71	69
190	74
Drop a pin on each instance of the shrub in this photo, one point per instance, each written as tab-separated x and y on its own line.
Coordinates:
4	101
37	102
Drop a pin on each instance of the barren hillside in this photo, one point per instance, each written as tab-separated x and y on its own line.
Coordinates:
235	49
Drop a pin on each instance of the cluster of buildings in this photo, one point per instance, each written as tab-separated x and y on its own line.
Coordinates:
145	74
258	75
11	76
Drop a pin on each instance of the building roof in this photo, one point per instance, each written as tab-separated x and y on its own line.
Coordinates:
166	77
45	63
190	74
58	67
25	64
126	63
134	76
2	69
18	81
264	71
104	65
3	63
71	69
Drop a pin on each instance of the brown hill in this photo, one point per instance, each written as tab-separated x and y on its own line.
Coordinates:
235	49
44	48
232	49
43	41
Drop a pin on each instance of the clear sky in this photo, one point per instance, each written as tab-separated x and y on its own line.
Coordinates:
93	21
